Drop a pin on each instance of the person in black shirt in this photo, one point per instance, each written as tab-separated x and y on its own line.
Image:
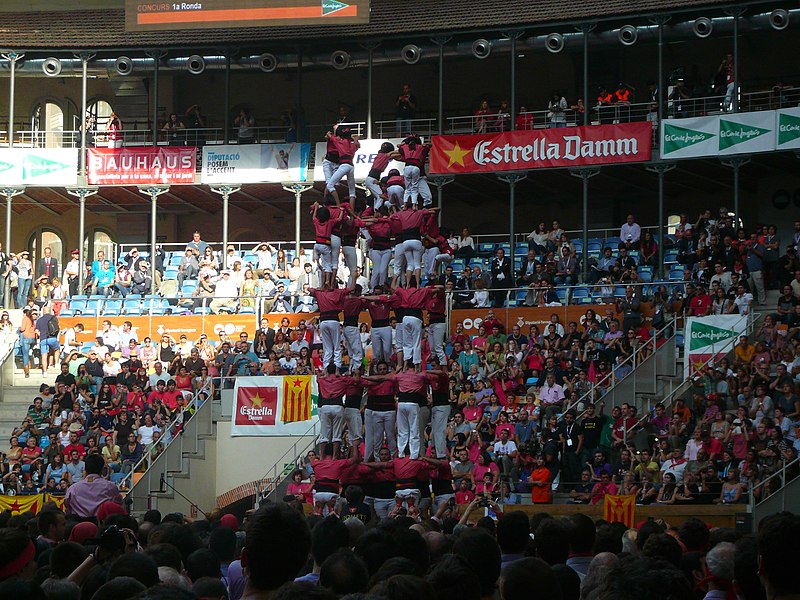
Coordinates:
516	336
582	493
356	508
64	397
571	436
126	377
194	363
592	426
65	377
123	426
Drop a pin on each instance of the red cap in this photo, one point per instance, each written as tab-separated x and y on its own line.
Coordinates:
229	521
109	508
82	532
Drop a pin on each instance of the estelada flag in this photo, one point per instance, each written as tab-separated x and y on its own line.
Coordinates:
296	399
619	509
21	504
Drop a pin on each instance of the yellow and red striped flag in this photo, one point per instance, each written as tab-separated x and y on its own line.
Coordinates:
296	399
619	509
21	504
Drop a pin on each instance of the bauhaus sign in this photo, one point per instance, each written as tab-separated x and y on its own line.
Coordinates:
541	148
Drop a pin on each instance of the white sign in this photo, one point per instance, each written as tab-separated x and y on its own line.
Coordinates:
710	338
46	166
255	163
362	161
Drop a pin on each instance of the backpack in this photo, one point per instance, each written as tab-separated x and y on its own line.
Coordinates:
52	328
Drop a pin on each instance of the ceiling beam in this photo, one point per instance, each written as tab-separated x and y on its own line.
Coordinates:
249	196
41	205
189	204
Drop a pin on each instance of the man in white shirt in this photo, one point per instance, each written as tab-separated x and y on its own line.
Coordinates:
551	396
159	375
126	334
225	293
743	300
722	276
263	250
184	347
110	335
505	452
675	465
70	340
629	234
72	271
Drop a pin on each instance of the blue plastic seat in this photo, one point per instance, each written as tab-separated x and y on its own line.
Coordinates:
112	307
580	292
676	274
486	248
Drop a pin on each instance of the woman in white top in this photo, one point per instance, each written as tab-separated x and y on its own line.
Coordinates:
466	246
237	275
294	271
58	296
538	239
263	250
25	277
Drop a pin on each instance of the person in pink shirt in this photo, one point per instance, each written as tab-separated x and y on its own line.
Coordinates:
332	388
303	492
408	224
352	306
330	302
380	415
604	487
327	471
324	222
379	164
406	472
414	153
346	145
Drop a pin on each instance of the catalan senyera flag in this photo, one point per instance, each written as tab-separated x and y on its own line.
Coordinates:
21	504
619	509
296	399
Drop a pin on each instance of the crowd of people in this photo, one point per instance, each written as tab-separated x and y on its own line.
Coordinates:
280	553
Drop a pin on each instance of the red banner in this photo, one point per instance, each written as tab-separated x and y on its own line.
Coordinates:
256	405
541	148
142	165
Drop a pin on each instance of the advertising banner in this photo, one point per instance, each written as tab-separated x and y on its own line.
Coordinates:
271	406
541	148
361	161
720	135
46	166
145	165
688	138
710	337
255	163
788	128
747	132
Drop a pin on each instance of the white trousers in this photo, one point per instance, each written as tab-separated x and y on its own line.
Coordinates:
396	194
425	192
331	423
340	173
322	254
381	338
350	259
411	174
436	334
399	259
380	267
373	185
429	260
412	339
352	340
408	428
412	249
377	424
336	246
439	416
382	507
329	168
354	424
331	343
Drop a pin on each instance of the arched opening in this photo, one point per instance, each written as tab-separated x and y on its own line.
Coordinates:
48	125
46	237
98	240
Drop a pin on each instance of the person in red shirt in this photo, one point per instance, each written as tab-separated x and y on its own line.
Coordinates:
437	324
171	395
324	221
346	145
352	306
379	164
327	471
330	302
380	488
408	225
414	153
74	444
406	472
135	398
441	476
353	393
381	333
380	414
381	248
541	479
464	495
701	303
332	389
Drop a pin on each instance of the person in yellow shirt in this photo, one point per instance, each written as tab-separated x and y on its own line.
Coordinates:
744	351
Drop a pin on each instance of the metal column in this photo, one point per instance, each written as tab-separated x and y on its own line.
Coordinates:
736	163
298	189
9	193
156	56
585	174
661	169
85	58
512	179
513	36
440	41
154	192
370	48
225	191
585	29
298	110
81	193
12	57
440	181
226	130
735	12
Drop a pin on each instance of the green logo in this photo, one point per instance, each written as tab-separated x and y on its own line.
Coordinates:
35	166
676	138
703	335
788	128
331	6
4	166
732	133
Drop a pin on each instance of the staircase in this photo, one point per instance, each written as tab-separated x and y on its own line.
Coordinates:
16	391
787	497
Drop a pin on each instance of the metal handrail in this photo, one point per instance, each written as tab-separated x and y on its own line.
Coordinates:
278	472
124	483
763	484
632	358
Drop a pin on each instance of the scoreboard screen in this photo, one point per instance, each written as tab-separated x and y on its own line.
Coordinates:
141	15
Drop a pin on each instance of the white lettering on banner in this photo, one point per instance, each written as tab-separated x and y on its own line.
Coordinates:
710	335
252	413
786	128
140	162
572	148
687	138
743	134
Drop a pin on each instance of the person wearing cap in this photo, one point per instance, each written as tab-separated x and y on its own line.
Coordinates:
122	279
72	272
24	269
188	268
142	280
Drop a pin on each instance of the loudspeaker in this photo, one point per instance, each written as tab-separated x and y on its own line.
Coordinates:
628	35
411	54
51	67
123	65
267	62
196	64
554	42
481	48
779	19
702	27
340	60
